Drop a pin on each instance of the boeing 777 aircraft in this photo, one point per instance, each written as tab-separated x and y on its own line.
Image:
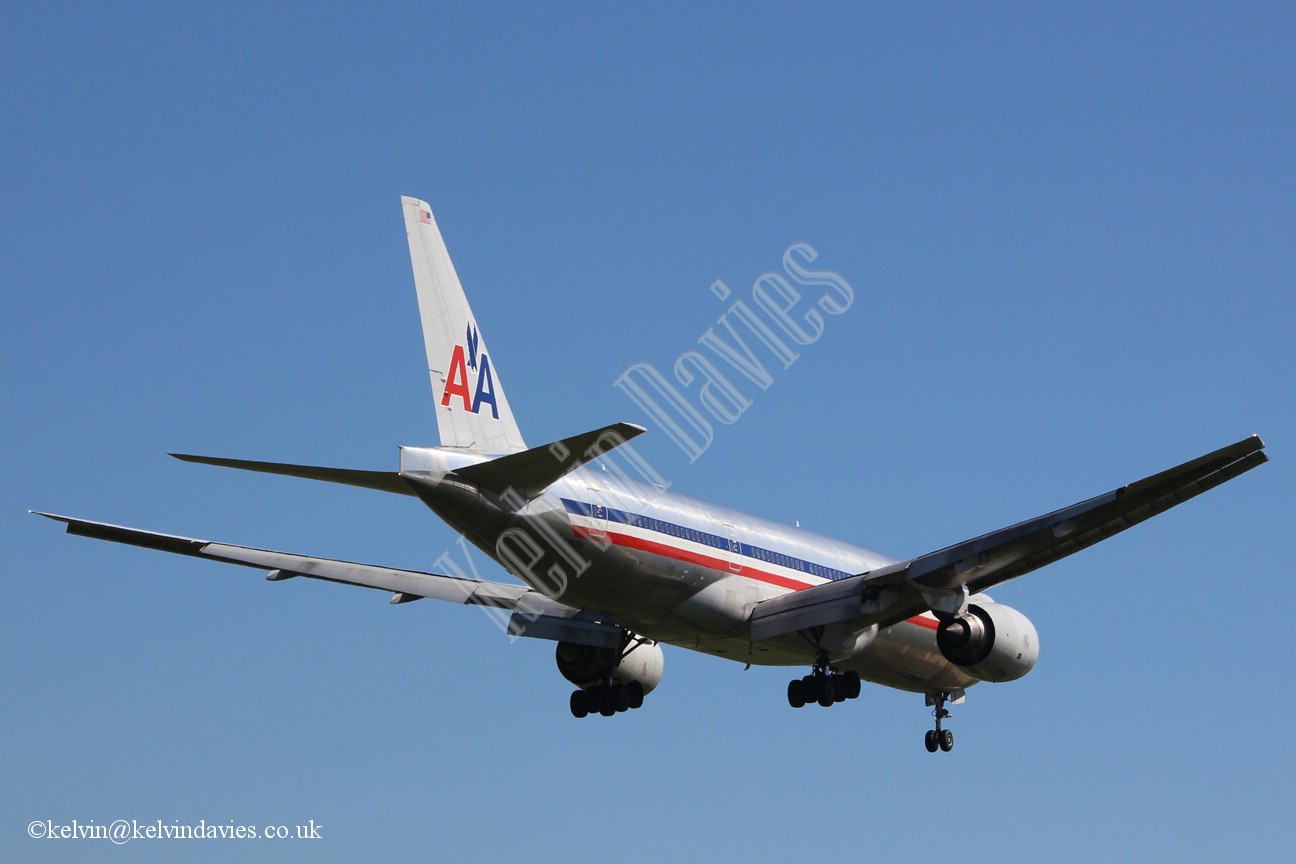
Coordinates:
611	567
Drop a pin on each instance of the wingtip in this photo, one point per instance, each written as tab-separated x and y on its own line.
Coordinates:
194	459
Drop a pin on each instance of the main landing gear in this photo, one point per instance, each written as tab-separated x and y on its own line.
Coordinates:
939	738
607	699
823	686
610	679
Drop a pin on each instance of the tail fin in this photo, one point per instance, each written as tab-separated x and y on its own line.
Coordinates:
472	411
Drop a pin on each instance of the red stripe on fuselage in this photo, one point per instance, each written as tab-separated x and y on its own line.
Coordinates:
667	551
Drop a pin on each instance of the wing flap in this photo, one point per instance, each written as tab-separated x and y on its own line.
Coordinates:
862	600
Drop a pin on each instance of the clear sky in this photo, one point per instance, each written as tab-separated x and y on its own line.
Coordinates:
1069	231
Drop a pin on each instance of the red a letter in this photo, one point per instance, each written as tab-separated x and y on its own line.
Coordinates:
457	381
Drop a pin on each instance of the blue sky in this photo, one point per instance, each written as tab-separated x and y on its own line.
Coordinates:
1068	228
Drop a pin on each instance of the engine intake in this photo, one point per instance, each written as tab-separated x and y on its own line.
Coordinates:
991	642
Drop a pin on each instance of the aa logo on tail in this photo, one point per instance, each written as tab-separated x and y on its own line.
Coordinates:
458	383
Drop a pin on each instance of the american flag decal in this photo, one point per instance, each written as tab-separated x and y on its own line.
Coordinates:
425	217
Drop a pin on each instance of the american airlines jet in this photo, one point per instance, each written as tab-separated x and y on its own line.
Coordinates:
611	566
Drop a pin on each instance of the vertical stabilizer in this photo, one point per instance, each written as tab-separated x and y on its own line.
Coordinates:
471	409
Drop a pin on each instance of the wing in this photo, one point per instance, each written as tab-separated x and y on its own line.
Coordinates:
527	612
900	591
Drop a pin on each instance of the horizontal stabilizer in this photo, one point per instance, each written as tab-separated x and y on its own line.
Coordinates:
530	472
383	481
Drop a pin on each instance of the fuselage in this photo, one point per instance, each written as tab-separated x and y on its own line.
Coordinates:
673	568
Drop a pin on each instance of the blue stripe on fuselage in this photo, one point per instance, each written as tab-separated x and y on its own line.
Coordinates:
715	541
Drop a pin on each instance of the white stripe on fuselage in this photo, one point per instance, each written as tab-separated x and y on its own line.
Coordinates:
647	518
691	545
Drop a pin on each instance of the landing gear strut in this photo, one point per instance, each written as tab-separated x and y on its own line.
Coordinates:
823	685
939	738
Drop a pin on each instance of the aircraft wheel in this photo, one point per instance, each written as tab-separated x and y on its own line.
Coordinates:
826	695
579	704
946	740
930	741
852	685
635	689
796	693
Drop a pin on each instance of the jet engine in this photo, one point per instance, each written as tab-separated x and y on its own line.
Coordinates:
990	642
587	666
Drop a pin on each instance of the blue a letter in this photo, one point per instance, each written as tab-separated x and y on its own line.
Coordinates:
485	389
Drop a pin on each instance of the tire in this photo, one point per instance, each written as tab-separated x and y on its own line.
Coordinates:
607	701
946	740
635	689
852	685
579	704
930	741
796	693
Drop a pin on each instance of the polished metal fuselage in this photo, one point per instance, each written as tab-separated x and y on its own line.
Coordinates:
673	568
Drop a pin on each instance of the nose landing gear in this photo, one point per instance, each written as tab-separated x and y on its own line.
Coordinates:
938	738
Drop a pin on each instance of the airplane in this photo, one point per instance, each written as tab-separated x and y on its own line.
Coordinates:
612	566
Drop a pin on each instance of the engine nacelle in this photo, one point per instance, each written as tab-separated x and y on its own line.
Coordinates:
585	665
990	642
